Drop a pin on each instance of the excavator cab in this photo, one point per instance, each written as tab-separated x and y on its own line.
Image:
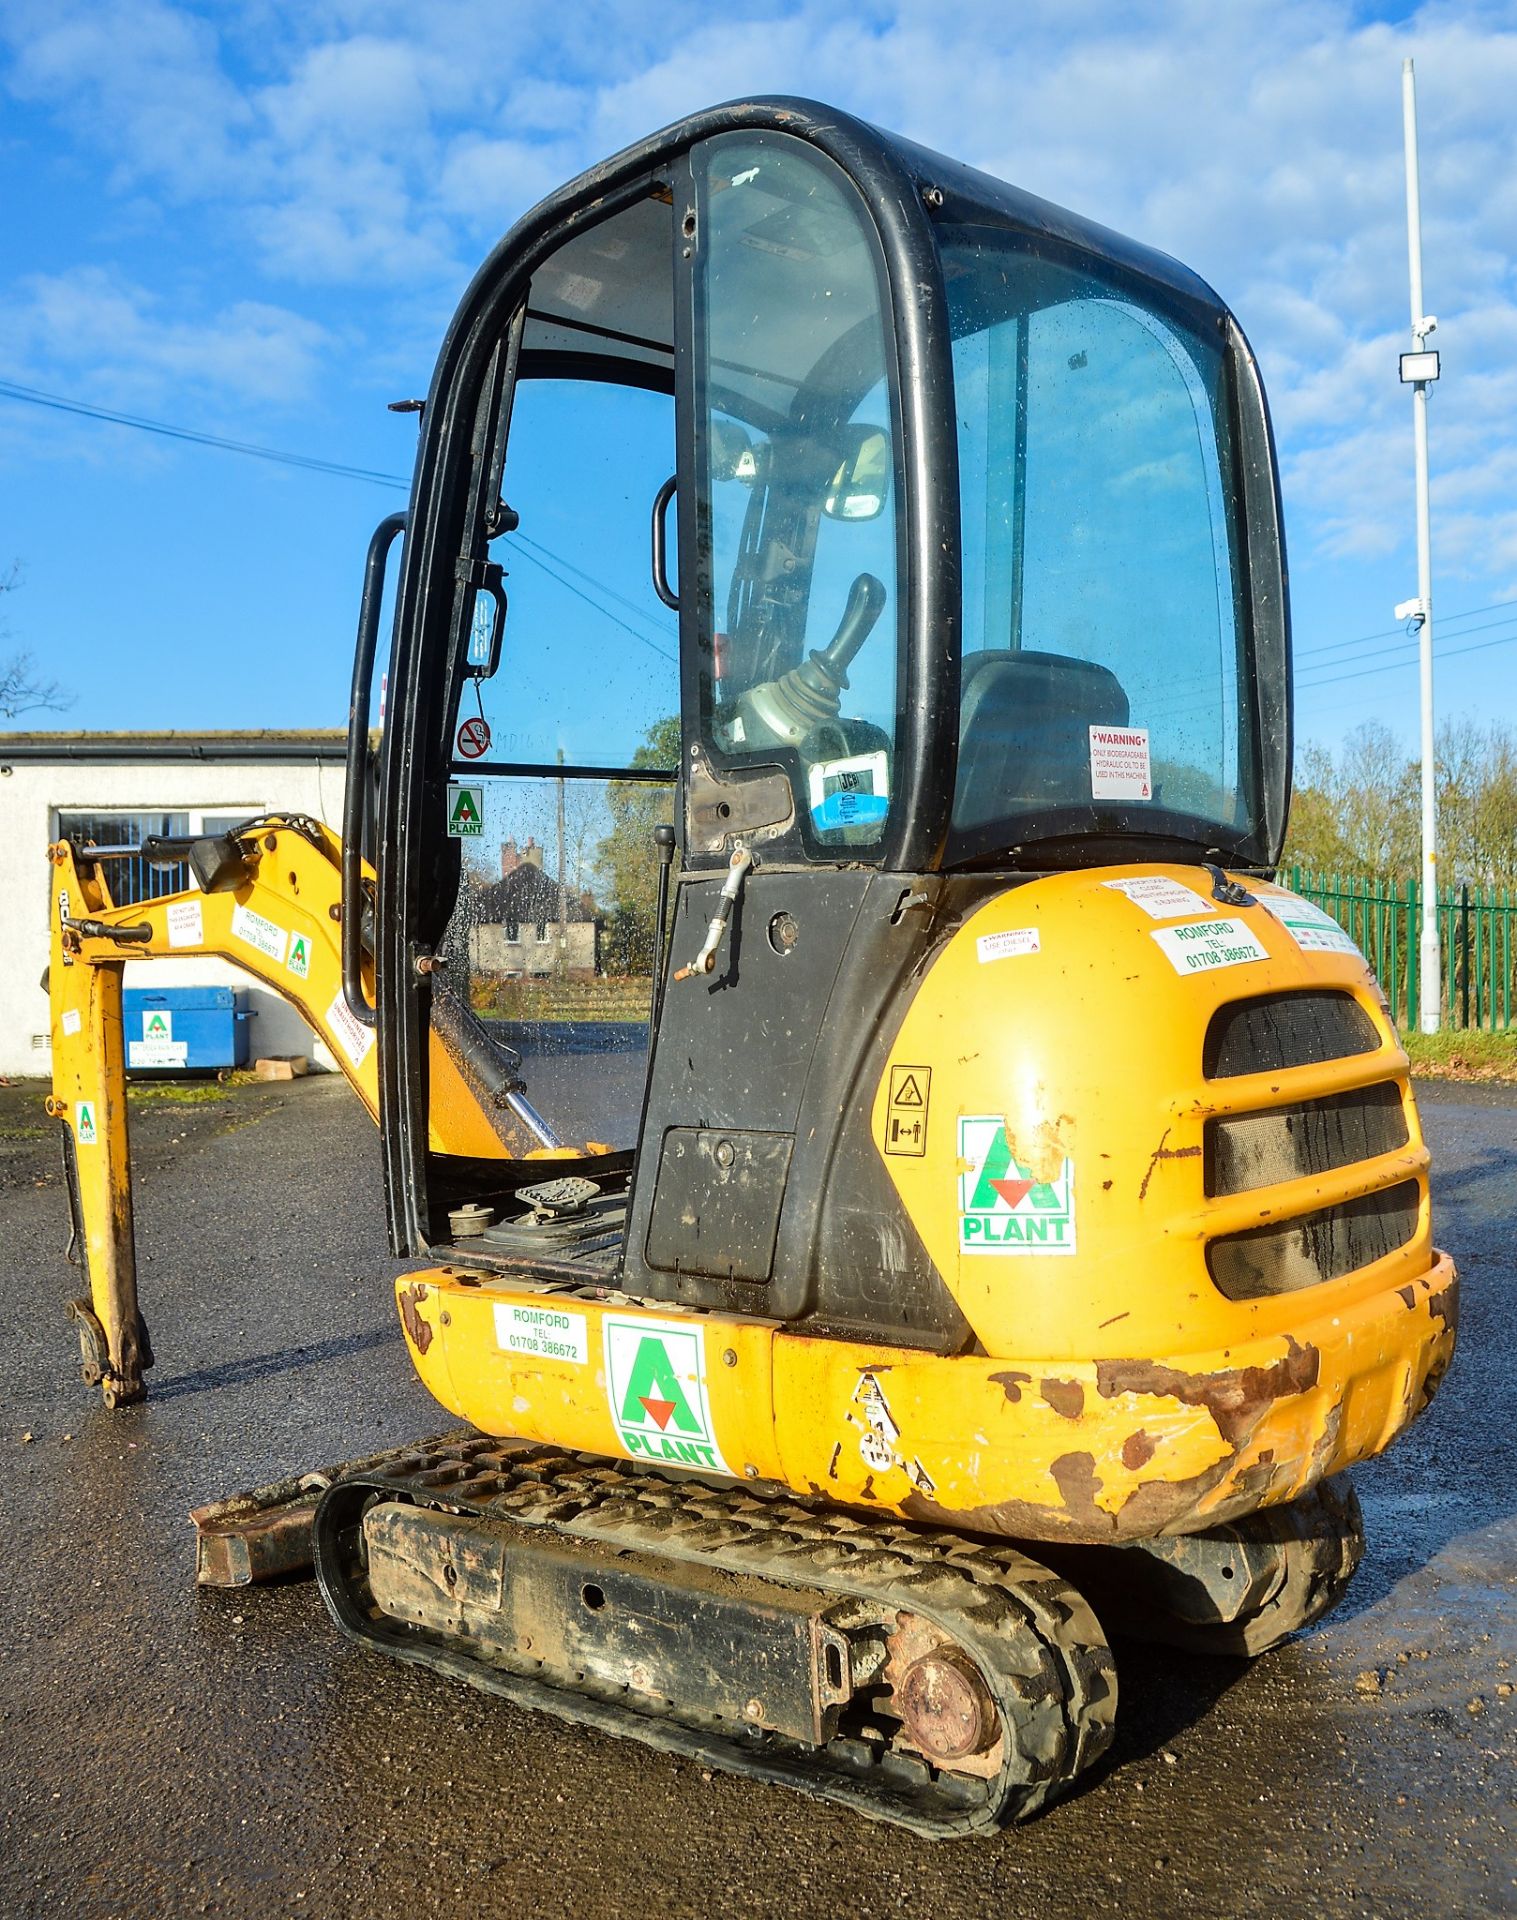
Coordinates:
859	517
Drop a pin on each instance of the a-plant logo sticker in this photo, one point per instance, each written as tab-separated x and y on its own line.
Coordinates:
1003	1206
656	1387
299	962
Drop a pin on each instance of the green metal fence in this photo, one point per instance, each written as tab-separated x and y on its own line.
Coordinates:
1476	935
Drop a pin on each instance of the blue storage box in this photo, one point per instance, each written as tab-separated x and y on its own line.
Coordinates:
185	1029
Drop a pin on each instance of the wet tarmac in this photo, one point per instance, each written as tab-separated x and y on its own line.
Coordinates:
168	1751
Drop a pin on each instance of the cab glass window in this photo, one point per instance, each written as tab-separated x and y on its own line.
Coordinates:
1105	679
798	629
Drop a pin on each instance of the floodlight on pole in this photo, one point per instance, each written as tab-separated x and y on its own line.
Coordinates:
1419	369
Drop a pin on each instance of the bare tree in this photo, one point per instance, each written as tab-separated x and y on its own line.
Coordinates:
22	690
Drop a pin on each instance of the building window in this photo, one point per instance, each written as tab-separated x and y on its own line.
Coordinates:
136	878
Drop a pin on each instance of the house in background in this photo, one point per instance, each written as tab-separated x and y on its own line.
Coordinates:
519	921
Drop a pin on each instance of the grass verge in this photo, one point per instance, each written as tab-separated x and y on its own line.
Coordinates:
1462	1055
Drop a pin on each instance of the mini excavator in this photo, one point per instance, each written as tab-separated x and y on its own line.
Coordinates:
1025	1219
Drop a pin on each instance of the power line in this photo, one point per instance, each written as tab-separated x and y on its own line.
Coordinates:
58	403
33	396
1400	666
1385	633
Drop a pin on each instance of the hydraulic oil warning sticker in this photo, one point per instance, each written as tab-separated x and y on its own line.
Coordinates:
260	933
656	1388
1119	768
906	1114
72	1021
353	1036
1007	946
542	1333
85	1130
1160	897
1312	930
1003	1206
1204	945
185	924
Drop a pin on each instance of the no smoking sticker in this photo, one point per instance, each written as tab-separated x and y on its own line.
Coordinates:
473	738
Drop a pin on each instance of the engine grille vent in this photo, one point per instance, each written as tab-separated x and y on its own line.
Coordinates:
1276	1030
1314	1136
1318	1246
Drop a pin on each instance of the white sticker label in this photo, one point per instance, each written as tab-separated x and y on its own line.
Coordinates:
260	933
157	1053
466	811
544	1333
85	1130
299	962
71	1022
1119	764
157	1024
656	1390
1205	945
186	926
1006	946
353	1036
1312	930
1160	897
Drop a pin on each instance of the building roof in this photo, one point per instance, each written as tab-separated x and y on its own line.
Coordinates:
271	744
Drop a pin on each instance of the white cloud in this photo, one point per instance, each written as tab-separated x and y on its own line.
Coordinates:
377	148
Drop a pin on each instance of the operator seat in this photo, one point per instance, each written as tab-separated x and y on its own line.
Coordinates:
1024	731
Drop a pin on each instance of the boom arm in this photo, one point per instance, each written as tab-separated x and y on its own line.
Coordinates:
276	911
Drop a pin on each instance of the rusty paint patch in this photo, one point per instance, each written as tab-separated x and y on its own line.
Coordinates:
832	1464
1138	1450
1066	1397
1237	1398
1074	1474
1011	1384
1409	1295
1163	1152
418	1331
1444	1306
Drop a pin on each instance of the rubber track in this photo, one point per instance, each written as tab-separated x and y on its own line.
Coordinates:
1033	1636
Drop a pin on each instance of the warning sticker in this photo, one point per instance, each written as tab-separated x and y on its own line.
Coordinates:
85	1130
353	1036
906	1115
1160	897
1119	764
1205	945
157	1053
466	811
543	1333
71	1022
1006	946
1003	1206
185	923
1312	930
260	933
656	1390
157	1024
299	962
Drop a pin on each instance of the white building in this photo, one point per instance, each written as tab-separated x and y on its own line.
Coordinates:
122	787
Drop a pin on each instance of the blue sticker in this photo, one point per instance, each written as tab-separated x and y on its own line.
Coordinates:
482	631
845	809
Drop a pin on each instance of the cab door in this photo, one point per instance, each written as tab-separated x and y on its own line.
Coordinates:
533	736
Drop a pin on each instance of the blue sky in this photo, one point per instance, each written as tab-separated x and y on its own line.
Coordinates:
253	220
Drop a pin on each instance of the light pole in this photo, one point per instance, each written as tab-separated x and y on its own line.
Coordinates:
1419	369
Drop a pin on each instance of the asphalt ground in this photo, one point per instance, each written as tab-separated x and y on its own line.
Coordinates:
166	1750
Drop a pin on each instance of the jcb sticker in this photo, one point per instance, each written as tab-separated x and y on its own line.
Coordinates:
299	962
260	933
1003	1206
906	1115
656	1389
85	1130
